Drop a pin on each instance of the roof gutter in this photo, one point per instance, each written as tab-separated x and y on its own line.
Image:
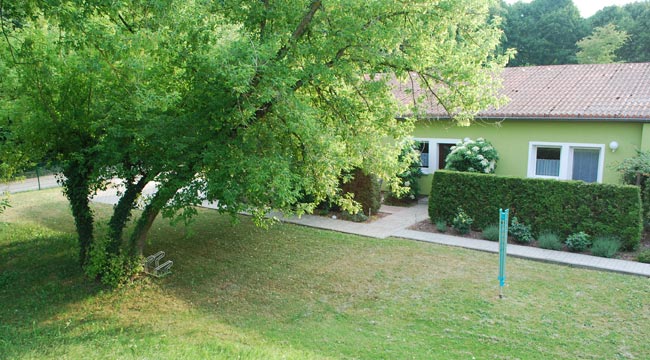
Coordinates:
545	118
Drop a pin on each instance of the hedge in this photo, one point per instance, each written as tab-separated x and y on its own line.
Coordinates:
366	189
564	207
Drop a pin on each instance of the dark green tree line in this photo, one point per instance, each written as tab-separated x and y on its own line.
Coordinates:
546	32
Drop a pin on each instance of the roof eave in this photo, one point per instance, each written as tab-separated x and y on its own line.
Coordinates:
543	118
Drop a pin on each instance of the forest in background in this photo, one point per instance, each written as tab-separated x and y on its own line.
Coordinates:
550	32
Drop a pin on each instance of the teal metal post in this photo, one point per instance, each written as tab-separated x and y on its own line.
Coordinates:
503	243
38	178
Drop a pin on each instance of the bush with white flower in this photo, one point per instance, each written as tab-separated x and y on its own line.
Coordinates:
473	156
409	178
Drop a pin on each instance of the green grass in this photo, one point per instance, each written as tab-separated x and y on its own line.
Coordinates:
293	292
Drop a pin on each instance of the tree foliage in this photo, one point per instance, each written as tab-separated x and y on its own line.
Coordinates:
634	19
601	45
635	170
254	104
409	177
544	32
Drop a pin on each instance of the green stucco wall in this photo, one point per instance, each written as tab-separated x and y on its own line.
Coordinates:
645	138
511	139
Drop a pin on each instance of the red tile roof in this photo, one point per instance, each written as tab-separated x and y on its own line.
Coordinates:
569	92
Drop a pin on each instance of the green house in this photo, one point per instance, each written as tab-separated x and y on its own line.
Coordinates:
565	122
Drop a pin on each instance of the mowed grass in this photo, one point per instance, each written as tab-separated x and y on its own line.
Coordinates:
293	292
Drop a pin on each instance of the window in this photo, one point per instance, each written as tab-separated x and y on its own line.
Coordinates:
548	161
433	153
423	147
566	161
585	164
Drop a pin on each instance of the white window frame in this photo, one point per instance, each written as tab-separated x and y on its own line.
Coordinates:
433	152
566	158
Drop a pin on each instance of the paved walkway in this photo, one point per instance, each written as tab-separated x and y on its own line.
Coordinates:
399	219
395	224
30	184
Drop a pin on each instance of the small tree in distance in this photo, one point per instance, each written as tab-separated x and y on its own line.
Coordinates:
600	47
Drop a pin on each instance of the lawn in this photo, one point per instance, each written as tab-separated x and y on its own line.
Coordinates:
293	292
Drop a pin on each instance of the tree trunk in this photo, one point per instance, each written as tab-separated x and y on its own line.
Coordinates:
76	188
151	211
139	236
122	213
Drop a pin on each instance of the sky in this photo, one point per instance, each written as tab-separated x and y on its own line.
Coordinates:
589	7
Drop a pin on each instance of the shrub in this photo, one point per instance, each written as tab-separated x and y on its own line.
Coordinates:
358	217
645	199
549	240
490	232
636	171
473	156
441	226
520	231
578	242
644	256
409	178
462	222
564	206
366	189
113	270
605	246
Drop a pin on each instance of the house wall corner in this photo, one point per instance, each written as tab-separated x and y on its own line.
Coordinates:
645	137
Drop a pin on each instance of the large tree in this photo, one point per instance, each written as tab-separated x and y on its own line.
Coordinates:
544	32
256	104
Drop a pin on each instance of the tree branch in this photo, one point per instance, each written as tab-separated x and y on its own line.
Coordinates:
426	82
412	87
263	22
4	31
125	23
300	30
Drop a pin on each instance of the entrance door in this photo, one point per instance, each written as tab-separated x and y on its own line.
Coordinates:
443	151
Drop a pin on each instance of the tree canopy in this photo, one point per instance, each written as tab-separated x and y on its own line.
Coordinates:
601	45
258	105
634	19
546	32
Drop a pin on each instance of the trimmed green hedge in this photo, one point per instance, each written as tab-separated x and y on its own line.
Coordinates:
366	189
645	201
564	207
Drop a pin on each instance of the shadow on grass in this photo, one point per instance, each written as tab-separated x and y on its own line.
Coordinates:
102	337
39	278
